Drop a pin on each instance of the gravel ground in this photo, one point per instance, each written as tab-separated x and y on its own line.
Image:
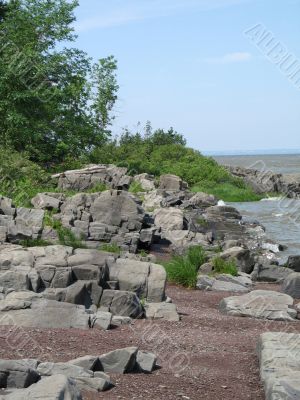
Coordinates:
205	356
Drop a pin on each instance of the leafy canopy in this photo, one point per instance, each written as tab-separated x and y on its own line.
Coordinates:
53	101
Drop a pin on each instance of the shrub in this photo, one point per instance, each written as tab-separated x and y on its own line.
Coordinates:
225	267
135	187
183	270
99	187
21	179
110	248
67	238
34	243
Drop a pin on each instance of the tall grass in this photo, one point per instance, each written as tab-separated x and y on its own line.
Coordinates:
224	267
183	270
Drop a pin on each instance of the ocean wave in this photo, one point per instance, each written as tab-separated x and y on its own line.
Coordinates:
271	199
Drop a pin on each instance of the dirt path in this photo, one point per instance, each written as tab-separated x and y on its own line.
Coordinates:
205	356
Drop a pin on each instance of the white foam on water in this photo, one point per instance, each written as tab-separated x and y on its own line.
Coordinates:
271	199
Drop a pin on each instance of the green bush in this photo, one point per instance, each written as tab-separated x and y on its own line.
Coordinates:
166	153
225	267
21	179
67	238
183	270
34	243
135	187
110	248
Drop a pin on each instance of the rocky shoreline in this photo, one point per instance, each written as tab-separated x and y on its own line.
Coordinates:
56	286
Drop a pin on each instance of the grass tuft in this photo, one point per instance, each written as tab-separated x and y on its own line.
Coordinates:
183	270
225	267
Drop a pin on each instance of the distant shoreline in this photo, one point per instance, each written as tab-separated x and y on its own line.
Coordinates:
251	154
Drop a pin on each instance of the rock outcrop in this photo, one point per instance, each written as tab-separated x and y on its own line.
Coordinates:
33	379
278	354
262	304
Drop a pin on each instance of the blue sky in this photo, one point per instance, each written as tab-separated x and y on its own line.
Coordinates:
189	64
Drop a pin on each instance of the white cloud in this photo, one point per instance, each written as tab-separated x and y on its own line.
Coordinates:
230	58
114	13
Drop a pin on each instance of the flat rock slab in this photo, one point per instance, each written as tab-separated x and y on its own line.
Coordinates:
279	355
56	387
47	314
262	304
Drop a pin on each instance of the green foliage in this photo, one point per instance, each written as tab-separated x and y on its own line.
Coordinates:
183	270
53	103
162	152
21	179
105	82
225	267
227	191
110	248
99	187
202	221
135	187
34	243
67	238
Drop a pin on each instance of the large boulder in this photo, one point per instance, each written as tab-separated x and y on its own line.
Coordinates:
202	200
122	303
279	359
56	387
291	285
224	283
146	181
147	280
270	273
42	313
119	361
17	374
44	201
162	311
172	183
294	263
262	304
169	219
116	208
93	175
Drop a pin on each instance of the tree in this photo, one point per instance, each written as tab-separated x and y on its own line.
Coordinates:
105	82
46	96
3	6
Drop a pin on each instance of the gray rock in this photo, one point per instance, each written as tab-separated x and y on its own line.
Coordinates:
171	183
123	303
47	314
63	278
243	257
169	219
102	319
116	207
119	361
294	263
118	320
163	311
17	374
44	201
279	365
146	181
14	280
146	361
203	200
291	285
262	304
56	387
270	273
90	363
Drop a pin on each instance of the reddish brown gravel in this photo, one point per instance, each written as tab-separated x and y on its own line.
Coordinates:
205	356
